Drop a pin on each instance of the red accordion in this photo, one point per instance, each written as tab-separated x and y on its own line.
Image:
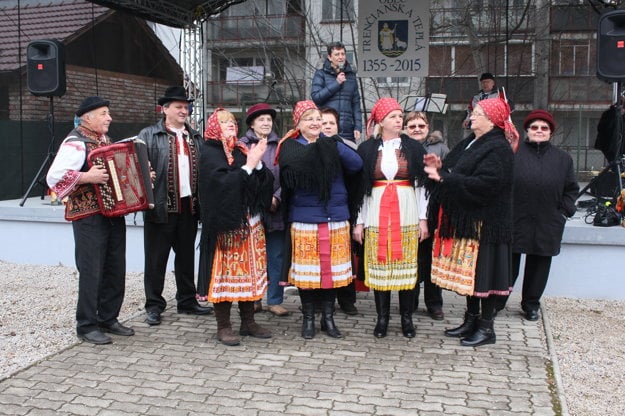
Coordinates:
129	187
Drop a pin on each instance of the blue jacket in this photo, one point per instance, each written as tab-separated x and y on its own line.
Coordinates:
305	205
345	98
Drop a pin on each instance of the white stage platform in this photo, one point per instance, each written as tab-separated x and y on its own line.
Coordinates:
589	266
37	233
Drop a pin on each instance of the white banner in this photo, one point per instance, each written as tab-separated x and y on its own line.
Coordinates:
393	38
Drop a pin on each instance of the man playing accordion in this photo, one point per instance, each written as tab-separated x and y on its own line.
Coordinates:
100	242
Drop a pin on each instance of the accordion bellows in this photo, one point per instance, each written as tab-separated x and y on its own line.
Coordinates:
129	188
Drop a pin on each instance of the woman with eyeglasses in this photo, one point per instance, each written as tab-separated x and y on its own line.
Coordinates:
393	214
545	190
418	128
236	188
471	213
313	170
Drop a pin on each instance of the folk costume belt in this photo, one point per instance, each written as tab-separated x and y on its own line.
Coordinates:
389	217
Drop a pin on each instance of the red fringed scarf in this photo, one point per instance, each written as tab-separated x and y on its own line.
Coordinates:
213	131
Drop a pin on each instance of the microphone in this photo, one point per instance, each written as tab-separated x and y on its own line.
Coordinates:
341	66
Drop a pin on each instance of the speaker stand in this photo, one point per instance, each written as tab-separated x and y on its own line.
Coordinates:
39	176
618	164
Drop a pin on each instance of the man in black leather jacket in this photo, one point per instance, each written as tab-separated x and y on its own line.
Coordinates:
173	151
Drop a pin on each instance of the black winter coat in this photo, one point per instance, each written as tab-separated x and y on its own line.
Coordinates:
344	98
545	190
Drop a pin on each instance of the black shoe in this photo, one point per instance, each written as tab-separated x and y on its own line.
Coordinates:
484	335
196	310
153	318
349	309
437	314
531	315
466	328
96	337
118	329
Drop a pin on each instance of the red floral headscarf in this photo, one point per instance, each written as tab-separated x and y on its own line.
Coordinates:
498	112
213	131
380	110
300	108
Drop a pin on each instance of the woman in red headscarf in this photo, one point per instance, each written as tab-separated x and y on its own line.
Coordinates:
313	170
471	212
393	214
235	189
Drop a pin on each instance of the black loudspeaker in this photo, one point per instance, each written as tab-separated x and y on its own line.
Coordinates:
46	68
606	185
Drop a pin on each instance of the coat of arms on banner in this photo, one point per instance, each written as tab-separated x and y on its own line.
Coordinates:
392	37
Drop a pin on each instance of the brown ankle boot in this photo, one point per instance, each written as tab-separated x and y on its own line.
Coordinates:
224	327
248	325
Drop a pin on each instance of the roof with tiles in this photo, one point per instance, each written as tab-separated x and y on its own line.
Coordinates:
35	20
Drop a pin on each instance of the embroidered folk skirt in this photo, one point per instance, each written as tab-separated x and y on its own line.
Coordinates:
470	267
240	265
391	261
321	255
453	264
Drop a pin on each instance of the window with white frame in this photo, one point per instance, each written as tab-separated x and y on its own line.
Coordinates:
574	57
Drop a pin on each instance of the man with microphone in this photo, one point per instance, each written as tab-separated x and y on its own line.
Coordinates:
335	86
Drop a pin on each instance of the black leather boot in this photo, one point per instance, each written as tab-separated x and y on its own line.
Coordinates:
467	328
406	306
327	320
383	308
416	290
485	334
308	323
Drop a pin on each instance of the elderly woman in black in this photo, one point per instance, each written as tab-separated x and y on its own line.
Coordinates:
545	190
235	190
471	211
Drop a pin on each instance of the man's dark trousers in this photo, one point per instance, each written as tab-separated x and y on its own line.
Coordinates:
432	294
178	233
100	255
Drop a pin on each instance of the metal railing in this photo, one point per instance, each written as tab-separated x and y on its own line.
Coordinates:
235	94
484	19
284	27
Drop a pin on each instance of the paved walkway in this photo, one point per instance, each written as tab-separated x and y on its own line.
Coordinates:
178	368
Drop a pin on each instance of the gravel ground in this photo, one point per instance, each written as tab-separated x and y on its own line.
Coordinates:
589	342
37	308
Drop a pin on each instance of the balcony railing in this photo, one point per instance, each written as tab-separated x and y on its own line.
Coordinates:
484	19
238	94
573	19
270	27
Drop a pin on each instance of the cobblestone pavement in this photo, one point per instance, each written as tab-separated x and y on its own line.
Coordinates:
179	368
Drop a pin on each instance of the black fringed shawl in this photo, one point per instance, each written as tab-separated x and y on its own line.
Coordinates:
227	192
476	189
312	167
